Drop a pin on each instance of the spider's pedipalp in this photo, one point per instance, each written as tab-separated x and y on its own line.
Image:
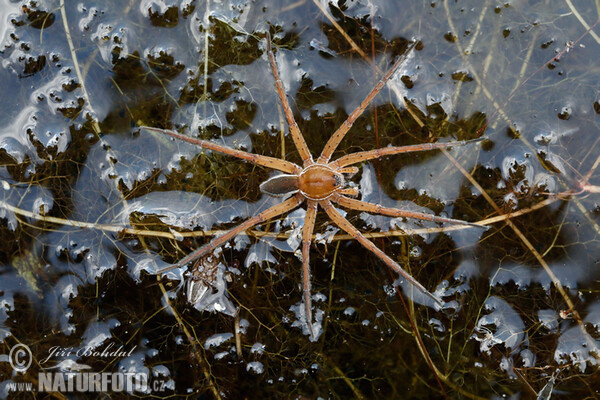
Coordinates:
348	170
351	191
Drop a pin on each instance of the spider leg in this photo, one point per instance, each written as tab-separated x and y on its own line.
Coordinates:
307	231
388	151
338	135
265	161
396	212
269	213
346	226
297	137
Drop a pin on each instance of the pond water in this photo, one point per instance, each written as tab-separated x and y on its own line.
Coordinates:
92	205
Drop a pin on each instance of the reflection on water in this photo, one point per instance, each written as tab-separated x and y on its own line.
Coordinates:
91	206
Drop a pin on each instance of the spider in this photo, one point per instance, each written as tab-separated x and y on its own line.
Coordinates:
318	183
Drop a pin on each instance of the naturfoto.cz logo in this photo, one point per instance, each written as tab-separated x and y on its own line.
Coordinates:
72	379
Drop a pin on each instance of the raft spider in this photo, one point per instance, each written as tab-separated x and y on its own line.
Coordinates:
318	182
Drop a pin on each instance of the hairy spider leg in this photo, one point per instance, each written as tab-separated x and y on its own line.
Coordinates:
388	151
265	161
338	135
346	226
307	231
297	137
359	205
269	213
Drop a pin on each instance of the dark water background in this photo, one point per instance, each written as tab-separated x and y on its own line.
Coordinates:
523	310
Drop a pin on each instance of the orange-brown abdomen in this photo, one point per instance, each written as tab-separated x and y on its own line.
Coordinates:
318	182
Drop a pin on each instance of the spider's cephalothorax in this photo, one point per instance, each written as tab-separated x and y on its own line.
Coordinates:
318	183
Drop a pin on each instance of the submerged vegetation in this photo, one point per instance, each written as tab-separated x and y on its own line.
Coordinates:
91	206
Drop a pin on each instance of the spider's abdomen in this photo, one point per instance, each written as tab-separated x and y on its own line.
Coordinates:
318	182
280	185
